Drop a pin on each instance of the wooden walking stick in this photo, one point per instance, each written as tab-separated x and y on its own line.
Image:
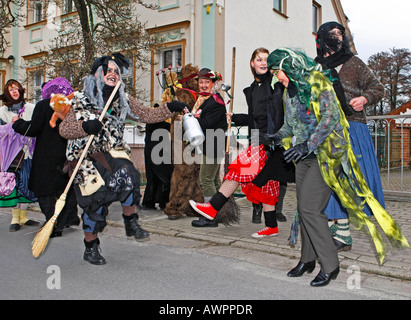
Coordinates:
227	151
42	237
230	212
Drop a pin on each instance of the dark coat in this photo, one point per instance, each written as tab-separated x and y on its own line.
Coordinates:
49	156
271	100
213	116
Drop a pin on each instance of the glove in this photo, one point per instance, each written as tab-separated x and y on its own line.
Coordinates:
92	126
265	139
176	106
297	152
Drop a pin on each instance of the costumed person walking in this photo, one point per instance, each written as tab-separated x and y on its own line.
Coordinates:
356	87
185	179
324	160
210	112
106	174
15	107
49	158
158	174
266	113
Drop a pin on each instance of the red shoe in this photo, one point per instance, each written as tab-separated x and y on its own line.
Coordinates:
205	209
267	231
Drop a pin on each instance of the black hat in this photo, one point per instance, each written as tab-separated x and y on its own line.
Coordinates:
206	73
121	61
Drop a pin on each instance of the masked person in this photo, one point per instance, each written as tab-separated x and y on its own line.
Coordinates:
107	174
356	87
325	162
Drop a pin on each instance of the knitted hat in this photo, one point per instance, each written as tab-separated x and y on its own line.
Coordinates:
57	85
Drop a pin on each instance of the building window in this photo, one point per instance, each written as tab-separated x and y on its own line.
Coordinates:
35	11
280	6
67	6
316	16
35	81
170	56
2	78
129	77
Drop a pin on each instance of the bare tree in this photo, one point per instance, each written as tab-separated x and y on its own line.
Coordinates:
99	28
393	69
9	17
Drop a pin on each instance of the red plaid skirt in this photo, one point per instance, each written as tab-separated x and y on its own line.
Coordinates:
245	168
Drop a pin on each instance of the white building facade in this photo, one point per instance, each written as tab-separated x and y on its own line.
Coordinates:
201	32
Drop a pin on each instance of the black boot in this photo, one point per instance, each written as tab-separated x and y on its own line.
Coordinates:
322	279
133	229
204	222
257	212
92	252
301	268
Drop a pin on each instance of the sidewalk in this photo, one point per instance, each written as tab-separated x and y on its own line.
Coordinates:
397	263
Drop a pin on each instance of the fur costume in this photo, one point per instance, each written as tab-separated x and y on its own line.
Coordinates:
185	180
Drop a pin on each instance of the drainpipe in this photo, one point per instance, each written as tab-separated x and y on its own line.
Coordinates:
192	27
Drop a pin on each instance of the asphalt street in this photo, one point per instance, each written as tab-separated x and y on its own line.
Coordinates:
165	268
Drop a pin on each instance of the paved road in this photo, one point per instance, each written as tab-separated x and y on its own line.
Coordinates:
165	268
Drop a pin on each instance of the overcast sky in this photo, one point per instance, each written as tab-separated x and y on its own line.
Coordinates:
379	25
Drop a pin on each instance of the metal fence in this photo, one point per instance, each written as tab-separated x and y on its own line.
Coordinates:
391	136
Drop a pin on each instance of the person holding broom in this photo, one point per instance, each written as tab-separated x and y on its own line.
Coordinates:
107	174
260	184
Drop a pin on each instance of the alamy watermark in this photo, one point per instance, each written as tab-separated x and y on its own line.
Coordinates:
54	280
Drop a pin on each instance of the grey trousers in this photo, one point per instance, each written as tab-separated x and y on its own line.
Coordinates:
312	197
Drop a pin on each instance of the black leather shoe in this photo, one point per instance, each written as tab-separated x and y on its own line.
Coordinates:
56	233
322	279
301	268
204	222
31	223
342	246
14	227
280	217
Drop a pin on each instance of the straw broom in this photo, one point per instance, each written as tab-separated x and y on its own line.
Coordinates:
230	212
43	235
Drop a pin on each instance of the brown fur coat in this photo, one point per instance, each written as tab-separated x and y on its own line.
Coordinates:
185	180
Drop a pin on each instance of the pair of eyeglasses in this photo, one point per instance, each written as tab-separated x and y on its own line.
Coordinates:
274	72
110	70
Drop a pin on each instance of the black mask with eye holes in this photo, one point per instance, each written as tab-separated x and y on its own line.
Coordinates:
327	42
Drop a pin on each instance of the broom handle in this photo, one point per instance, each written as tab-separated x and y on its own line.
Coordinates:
231	102
90	140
